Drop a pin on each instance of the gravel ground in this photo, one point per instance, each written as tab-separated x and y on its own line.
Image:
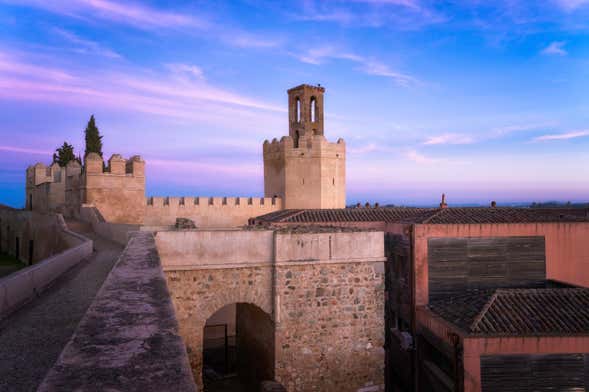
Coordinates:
32	338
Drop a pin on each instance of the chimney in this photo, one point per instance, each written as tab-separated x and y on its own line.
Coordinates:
443	203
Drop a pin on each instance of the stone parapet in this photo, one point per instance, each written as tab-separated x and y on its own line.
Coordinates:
128	340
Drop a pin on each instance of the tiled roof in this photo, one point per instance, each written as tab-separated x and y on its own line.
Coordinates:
465	215
451	215
519	312
384	214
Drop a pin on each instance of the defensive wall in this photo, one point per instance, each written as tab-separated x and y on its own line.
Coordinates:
59	249
316	299
128	339
118	191
208	211
116	232
310	175
30	236
45	188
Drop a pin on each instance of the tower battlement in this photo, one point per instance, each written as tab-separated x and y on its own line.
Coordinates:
306	143
304	168
117	165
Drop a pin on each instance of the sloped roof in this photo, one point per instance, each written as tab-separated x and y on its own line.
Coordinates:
451	215
342	215
518	312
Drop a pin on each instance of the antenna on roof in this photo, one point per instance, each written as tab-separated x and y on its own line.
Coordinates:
443	203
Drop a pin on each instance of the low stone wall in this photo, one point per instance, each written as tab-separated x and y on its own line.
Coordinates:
21	286
128	340
117	232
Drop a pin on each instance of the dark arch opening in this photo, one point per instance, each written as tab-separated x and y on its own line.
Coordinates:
238	349
296	140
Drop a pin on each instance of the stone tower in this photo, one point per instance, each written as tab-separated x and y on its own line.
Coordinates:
304	168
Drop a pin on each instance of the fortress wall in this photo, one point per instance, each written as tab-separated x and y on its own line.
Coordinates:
326	309
117	192
19	227
45	188
208	211
25	284
120	346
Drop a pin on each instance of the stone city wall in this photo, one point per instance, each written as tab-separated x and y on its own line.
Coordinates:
323	292
208	212
24	231
119	345
23	285
118	191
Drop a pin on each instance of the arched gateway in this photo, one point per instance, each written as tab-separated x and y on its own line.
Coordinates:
309	305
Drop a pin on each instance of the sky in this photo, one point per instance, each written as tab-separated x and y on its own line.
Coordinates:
475	99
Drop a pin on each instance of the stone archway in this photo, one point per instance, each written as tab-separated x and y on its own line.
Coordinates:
198	294
240	362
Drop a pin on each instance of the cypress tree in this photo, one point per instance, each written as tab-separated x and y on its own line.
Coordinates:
93	138
64	154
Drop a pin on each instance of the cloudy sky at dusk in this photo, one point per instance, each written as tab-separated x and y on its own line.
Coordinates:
482	102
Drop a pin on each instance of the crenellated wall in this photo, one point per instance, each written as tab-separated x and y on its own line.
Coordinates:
311	175
118	190
45	188
208	211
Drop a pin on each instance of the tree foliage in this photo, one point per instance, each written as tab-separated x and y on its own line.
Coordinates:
93	138
64	154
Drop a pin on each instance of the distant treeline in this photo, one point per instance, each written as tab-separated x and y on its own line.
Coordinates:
559	204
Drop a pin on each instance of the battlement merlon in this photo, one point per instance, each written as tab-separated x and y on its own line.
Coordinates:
197	202
117	165
307	144
39	173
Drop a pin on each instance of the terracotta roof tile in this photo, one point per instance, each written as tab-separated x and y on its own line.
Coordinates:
454	215
518	312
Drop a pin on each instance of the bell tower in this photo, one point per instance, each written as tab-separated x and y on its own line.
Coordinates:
303	168
305	111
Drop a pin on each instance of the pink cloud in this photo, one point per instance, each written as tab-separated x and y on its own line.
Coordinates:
562	136
25	150
138	15
449	138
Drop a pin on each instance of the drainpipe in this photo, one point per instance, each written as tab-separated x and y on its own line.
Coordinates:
457	362
414	356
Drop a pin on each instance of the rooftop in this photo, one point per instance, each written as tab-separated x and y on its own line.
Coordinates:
518	312
451	215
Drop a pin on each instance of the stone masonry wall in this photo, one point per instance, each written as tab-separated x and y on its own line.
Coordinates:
198	294
331	331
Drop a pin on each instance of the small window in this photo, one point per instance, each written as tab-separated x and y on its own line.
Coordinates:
313	109
333	180
298	113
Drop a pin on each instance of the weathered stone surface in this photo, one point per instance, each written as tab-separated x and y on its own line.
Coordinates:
128	340
184	223
271	386
330	336
198	294
322	291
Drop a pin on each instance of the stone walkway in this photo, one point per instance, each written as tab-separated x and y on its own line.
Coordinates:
32	338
